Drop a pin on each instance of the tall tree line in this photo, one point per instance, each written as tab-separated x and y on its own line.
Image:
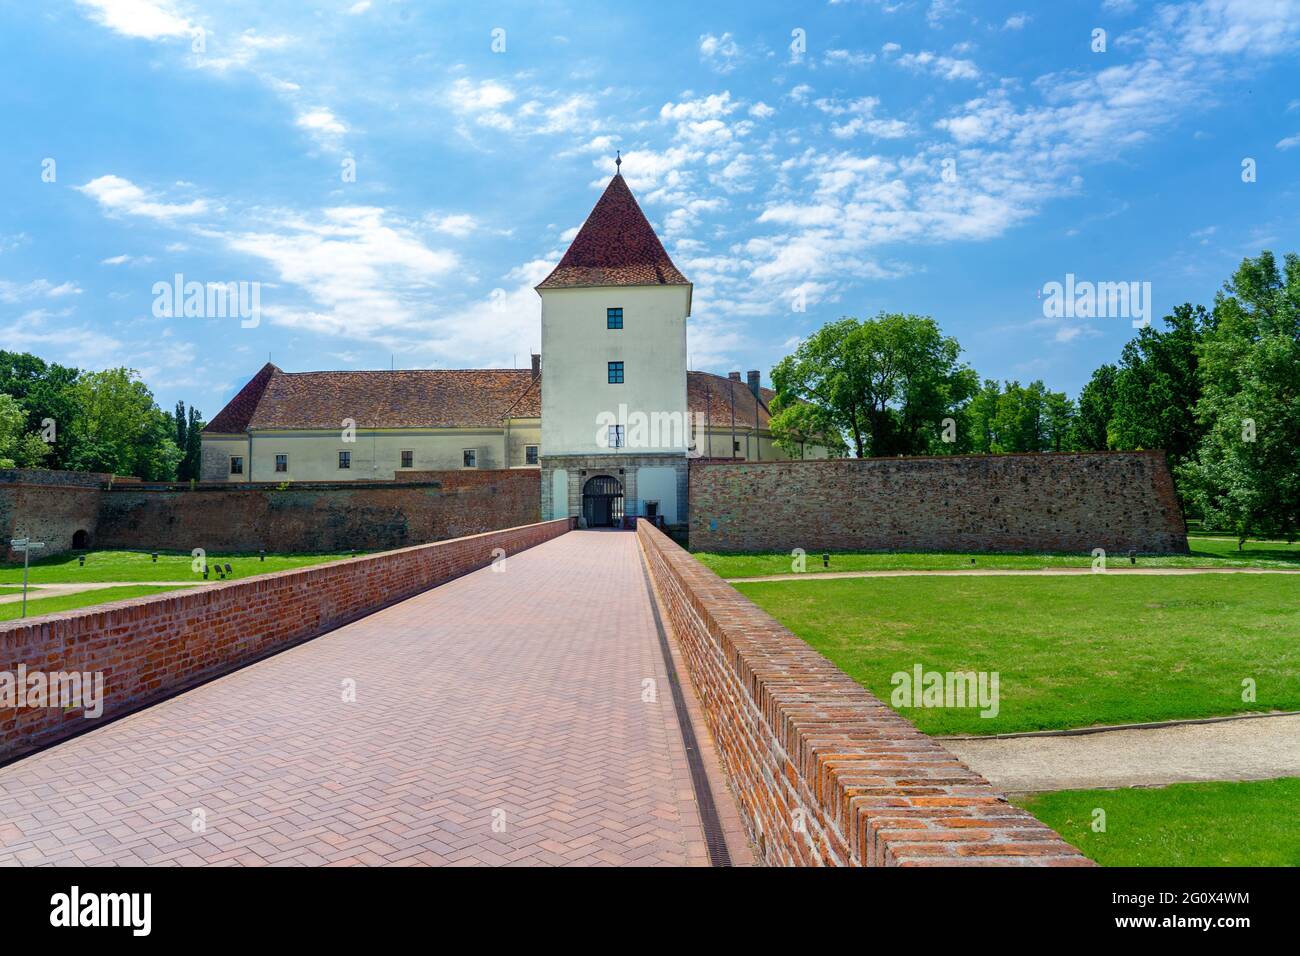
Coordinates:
1217	389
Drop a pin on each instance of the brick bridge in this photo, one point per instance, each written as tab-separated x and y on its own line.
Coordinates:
536	711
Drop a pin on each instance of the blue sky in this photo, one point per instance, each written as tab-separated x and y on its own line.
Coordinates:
210	139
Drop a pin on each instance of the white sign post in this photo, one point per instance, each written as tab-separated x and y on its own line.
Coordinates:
26	546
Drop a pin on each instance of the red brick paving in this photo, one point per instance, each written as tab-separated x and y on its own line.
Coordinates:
514	696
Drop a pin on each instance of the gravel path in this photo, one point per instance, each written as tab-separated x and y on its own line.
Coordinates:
1253	748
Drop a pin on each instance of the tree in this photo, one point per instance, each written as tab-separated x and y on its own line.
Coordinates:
44	391
885	383
189	438
1157	387
120	429
1096	408
18	449
1058	420
1246	474
795	427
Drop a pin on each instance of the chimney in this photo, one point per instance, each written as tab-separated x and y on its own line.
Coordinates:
537	364
734	376
754	384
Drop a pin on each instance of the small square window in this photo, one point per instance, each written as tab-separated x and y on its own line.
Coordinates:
236	464
282	463
735	446
345	459
408	459
616	373
530	454
615	436
614	318
470	458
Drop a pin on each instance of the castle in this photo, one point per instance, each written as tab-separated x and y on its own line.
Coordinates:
608	411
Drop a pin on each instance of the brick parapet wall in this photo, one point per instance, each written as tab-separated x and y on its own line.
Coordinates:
151	648
1118	501
48	476
824	772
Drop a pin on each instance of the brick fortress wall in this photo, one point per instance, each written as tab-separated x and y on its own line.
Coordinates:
1049	502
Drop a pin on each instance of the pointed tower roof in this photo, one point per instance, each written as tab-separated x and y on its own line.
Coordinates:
615	246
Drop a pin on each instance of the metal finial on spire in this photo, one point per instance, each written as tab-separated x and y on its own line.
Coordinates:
618	161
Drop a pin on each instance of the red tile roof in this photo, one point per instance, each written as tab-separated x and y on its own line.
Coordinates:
711	395
417	398
234	418
615	246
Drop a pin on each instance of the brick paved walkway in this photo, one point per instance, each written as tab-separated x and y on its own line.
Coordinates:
511	698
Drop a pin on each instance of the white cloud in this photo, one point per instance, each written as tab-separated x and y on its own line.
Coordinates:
321	122
458	225
1291	142
1213	27
761	110
721	53
1016	21
13	292
117	195
124	260
145	19
361	6
945	67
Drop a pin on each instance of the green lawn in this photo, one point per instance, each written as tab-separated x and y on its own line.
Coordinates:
1188	824
69	602
17	590
1070	651
1206	551
137	566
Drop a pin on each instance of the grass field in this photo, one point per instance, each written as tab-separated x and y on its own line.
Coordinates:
4	591
1187	824
1205	552
1069	651
69	602
137	566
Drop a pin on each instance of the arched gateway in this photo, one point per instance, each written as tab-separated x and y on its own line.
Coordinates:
602	502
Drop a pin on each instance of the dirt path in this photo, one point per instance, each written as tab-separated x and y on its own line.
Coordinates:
37	591
1250	748
1003	572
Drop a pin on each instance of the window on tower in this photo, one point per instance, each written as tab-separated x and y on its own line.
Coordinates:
616	373
614	318
615	439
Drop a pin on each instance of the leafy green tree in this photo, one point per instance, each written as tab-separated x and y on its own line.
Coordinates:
44	391
799	425
1096	408
1158	385
1246	475
18	448
884	383
120	429
1059	416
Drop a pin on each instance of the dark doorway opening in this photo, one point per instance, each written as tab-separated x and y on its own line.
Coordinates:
602	502
80	541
